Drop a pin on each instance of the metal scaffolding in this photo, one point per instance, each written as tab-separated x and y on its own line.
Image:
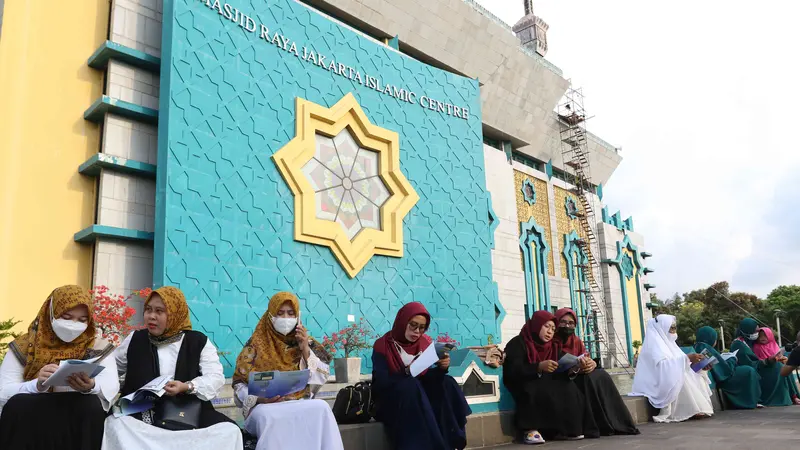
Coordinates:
575	156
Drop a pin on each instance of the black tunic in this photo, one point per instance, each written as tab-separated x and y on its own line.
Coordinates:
143	367
607	407
551	404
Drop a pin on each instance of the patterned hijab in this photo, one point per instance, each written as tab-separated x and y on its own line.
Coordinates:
40	346
268	350
178	319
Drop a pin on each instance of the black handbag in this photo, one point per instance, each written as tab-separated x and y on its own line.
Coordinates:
354	404
177	413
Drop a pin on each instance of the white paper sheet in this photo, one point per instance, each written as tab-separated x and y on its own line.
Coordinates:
727	356
424	361
71	367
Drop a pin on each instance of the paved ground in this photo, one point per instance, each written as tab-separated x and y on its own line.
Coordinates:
765	429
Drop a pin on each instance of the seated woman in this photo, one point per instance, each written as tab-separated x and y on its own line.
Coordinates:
548	405
665	377
740	384
774	390
602	397
169	347
280	342
426	412
765	349
67	417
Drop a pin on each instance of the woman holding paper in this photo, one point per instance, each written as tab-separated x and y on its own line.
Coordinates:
664	375
422	408
774	390
740	384
281	343
38	412
548	402
602	397
169	347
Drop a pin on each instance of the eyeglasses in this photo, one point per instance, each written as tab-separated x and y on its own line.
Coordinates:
413	326
564	323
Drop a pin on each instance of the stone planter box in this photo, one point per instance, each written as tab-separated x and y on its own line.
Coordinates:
348	370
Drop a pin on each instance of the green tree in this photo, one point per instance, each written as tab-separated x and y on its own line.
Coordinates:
787	299
5	333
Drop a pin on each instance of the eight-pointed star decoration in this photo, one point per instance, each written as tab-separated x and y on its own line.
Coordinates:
349	192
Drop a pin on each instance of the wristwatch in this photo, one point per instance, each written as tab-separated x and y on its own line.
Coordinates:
192	390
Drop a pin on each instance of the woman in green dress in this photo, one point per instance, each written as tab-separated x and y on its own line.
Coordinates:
740	384
774	390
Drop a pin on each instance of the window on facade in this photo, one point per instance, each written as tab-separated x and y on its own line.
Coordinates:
473	386
493	143
528	161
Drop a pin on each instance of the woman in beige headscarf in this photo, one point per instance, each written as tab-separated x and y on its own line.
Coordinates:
71	415
169	347
280	342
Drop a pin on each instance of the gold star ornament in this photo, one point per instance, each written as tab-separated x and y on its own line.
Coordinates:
349	192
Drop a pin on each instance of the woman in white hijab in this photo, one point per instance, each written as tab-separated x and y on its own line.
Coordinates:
664	375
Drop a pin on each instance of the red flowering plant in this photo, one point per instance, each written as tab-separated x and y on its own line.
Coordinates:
446	339
349	340
112	313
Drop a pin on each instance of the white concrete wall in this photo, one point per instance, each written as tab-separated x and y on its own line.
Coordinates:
506	260
137	24
130	139
124	267
133	85
126	201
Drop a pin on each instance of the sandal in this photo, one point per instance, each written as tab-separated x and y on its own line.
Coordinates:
533	437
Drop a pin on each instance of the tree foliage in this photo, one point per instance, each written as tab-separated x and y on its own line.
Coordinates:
6	335
717	305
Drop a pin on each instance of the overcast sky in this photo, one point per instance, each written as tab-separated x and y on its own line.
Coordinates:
702	97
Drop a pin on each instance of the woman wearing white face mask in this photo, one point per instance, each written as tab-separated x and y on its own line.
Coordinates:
664	375
280	342
774	389
33	415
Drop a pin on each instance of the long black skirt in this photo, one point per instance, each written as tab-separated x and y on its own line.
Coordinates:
58	421
554	406
607	407
426	413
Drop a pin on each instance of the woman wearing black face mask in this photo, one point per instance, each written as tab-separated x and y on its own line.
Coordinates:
608	408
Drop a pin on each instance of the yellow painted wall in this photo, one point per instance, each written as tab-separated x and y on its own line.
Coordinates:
634	306
45	86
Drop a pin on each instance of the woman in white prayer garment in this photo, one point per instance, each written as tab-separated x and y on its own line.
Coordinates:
183	418
70	414
664	375
295	421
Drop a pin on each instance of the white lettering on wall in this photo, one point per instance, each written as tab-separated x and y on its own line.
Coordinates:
328	63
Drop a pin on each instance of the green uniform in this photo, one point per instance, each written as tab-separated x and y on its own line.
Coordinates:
740	384
774	388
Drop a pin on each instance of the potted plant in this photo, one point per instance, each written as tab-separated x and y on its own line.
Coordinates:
348	341
636	346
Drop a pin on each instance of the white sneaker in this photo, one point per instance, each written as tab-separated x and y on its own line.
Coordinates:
533	437
575	438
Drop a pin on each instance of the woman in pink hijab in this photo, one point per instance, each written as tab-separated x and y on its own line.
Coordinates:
766	348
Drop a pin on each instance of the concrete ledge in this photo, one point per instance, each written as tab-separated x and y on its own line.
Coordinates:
112	50
94	232
105	105
99	161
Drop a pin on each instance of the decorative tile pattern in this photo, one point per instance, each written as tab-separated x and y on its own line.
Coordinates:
565	224
354	178
225	222
540	211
